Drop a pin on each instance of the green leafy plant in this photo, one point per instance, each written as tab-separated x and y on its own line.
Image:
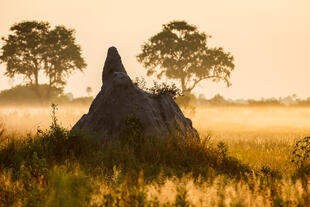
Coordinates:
301	159
54	117
301	152
222	149
133	131
165	88
181	197
35	168
67	188
140	82
159	88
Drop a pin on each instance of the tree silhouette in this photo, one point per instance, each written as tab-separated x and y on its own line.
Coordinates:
62	55
180	52
33	47
22	51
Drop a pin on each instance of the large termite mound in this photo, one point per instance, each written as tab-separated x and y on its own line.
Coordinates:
119	98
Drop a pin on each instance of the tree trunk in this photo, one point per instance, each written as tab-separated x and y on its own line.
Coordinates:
183	85
49	87
36	85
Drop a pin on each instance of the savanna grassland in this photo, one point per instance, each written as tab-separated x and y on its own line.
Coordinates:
244	158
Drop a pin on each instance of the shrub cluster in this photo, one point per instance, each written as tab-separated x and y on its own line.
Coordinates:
159	88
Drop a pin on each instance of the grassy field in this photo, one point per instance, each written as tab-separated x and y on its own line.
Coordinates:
244	159
260	136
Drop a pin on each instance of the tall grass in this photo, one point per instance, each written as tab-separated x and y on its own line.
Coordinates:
131	152
1	131
58	167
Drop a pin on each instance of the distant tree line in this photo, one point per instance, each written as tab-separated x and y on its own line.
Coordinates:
26	95
218	100
179	52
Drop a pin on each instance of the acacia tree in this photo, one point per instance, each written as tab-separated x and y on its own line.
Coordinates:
61	56
180	52
22	51
33	46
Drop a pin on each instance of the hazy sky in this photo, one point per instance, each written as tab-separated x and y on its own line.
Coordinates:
270	39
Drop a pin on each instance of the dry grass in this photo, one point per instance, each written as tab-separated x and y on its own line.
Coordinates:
1	129
259	136
28	119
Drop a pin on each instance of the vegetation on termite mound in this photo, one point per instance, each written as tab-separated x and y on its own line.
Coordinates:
159	88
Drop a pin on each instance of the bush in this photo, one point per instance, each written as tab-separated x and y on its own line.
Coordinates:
159	89
23	94
68	189
301	159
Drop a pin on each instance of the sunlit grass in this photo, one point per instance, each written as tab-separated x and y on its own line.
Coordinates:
28	119
262	137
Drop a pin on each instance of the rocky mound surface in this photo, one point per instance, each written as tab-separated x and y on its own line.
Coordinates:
120	98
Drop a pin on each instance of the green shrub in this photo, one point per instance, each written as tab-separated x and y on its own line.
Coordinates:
133	131
165	88
181	197
68	188
22	94
301	159
159	89
301	153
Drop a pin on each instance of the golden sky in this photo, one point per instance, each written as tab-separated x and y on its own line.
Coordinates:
270	39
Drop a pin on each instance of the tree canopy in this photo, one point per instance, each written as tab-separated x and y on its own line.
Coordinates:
180	52
62	55
33	46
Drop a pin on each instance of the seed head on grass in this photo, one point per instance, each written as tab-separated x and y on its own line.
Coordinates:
1	129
